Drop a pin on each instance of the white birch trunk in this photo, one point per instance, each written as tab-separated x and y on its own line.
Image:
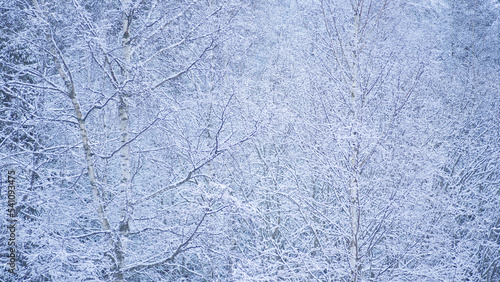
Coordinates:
97	201
125	182
124	129
354	208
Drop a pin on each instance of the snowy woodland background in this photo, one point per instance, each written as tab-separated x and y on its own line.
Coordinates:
312	140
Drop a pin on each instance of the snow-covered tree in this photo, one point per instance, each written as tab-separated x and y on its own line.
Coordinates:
252	140
135	109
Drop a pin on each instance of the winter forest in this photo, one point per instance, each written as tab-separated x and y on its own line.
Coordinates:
250	140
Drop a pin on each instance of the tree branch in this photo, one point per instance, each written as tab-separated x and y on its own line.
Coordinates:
185	70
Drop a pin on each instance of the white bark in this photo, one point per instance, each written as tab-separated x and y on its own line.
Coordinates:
354	208
68	82
126	184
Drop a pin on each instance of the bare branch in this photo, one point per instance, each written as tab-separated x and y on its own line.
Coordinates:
181	248
185	70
